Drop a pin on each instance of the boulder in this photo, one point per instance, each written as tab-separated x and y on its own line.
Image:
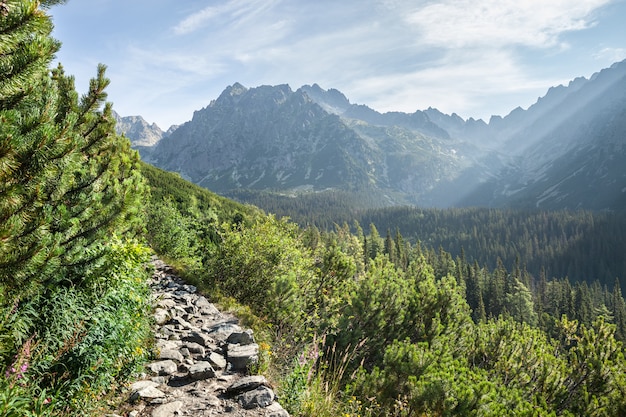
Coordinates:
161	316
168	410
171	354
260	397
218	361
166	367
195	348
201	370
199	338
240	357
241	338
247	383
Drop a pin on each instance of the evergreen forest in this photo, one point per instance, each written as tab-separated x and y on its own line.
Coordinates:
464	312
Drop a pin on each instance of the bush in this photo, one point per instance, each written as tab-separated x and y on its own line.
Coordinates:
79	342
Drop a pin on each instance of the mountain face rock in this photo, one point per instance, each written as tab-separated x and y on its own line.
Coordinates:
565	151
272	138
143	136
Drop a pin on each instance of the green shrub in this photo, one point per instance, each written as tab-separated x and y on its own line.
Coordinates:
83	340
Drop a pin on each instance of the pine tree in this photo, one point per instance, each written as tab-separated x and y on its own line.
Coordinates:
474	295
67	180
105	192
619	311
390	248
375	242
32	155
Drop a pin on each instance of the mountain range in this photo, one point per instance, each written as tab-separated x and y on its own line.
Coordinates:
566	151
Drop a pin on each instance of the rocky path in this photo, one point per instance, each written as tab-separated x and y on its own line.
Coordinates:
203	360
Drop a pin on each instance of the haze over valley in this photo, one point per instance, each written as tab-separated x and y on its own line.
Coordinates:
566	151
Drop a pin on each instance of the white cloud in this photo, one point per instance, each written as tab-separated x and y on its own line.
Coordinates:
458	55
611	54
196	20
232	11
465	84
500	23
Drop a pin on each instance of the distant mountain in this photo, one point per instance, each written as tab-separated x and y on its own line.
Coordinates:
568	150
565	151
273	138
143	136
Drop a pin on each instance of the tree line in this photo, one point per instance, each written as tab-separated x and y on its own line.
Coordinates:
364	323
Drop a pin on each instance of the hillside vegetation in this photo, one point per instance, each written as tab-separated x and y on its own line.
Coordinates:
74	306
350	322
361	324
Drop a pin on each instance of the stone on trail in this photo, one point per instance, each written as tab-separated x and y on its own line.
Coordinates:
218	361
204	357
276	410
206	308
241	338
201	370
139	385
247	383
242	356
167	367
196	348
168	410
148	393
223	330
199	338
161	316
172	354
260	397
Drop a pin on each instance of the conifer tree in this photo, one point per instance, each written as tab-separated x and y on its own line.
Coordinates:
619	311
32	156
67	181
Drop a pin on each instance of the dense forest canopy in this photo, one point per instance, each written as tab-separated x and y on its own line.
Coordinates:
580	245
381	325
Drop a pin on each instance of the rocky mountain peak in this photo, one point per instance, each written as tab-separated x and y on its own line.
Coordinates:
331	100
140	132
272	138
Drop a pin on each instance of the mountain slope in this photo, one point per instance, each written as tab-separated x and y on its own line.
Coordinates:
565	151
272	138
571	149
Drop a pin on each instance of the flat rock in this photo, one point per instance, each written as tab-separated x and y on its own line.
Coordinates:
223	330
276	410
172	354
260	397
168	410
206	308
196	348
167	367
199	338
242	356
201	370
218	361
247	383
182	323
241	338
150	393
161	316
139	385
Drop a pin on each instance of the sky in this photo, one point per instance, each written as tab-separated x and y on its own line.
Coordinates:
476	58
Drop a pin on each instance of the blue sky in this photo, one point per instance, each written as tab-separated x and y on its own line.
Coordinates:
474	57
